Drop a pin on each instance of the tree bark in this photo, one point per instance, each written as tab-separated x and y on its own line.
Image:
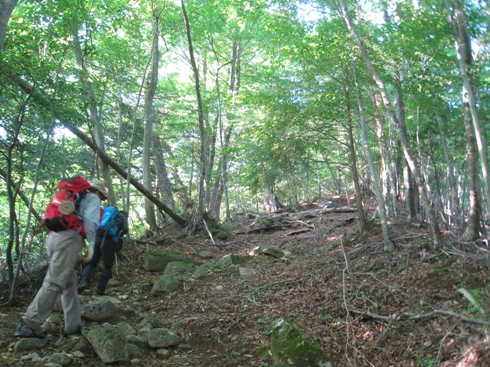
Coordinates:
388	244
149	122
408	181
453	189
6	9
472	231
200	113
353	162
437	240
24	198
163	182
459	27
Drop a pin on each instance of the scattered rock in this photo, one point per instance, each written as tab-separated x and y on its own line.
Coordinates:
102	310
290	348
161	338
108	342
158	260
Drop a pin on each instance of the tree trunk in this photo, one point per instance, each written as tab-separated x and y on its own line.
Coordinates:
388	244
403	138
353	162
472	231
163	182
407	173
94	115
453	189
6	9
457	19
200	113
149	122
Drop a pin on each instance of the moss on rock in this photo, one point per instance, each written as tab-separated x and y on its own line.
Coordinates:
290	348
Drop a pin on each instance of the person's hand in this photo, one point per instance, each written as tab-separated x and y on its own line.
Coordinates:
89	252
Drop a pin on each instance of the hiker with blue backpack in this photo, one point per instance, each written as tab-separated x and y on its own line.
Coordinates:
109	239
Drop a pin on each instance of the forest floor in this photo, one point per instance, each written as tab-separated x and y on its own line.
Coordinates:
365	307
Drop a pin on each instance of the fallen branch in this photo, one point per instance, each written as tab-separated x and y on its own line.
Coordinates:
412	316
297	231
209	233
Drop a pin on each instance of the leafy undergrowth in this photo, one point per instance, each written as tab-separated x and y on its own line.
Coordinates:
405	308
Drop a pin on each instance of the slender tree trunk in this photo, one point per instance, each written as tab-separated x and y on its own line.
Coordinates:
459	26
163	182
453	189
120	129
438	242
149	123
472	231
353	162
94	115
200	113
388	244
407	173
384	175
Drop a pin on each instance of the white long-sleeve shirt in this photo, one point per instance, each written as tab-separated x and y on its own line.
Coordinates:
90	210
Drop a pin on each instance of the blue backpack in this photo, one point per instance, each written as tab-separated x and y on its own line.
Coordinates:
113	224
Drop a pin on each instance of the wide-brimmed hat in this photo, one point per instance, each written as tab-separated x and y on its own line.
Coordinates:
99	186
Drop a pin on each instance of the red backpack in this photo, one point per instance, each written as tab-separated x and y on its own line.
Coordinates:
63	210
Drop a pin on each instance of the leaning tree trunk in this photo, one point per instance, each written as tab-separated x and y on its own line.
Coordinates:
42	101
438	242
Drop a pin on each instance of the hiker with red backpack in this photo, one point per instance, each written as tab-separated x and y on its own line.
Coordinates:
72	216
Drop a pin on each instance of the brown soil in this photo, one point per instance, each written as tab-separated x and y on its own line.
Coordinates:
397	309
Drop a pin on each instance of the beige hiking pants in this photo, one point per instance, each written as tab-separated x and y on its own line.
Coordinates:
61	279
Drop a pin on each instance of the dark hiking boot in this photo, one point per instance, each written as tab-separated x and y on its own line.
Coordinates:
82	287
24	331
101	293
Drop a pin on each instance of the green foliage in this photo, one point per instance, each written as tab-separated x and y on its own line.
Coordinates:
427	361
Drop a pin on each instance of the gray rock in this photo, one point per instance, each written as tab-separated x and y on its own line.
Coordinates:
162	338
166	284
203	269
246	272
227	261
102	310
108	342
26	344
207	255
158	260
273	251
125	328
179	268
60	358
135	339
163	352
134	351
290	348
